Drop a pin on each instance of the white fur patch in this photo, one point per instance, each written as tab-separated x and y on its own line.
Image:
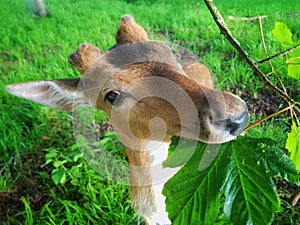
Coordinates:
47	93
160	175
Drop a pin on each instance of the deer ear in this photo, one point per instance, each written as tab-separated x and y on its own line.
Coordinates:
59	94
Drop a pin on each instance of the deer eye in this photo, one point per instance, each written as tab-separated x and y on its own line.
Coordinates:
111	96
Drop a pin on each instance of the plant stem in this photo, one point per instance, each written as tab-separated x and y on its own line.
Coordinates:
245	18
295	197
268	117
270	63
226	32
277	55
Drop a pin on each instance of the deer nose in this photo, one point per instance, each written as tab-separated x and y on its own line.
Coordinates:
235	126
72	58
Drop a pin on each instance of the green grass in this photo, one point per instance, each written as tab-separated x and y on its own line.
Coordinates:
35	49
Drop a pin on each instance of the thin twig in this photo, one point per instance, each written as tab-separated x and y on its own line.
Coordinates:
295	197
226	32
245	18
268	117
264	44
290	61
277	55
270	63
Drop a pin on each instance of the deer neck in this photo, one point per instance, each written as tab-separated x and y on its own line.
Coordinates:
147	178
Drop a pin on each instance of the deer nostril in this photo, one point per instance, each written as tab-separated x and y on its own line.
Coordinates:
74	59
235	126
71	58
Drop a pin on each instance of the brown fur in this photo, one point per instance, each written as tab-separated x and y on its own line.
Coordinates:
199	72
140	181
84	56
198	94
129	31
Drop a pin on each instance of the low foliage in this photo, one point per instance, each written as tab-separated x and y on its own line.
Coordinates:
285	37
241	171
293	144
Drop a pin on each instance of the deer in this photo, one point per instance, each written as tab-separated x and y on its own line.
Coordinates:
149	98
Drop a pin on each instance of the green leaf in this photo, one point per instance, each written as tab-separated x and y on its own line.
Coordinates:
52	154
50	157
76	172
74	156
294	71
59	176
242	169
181	151
294	64
282	33
248	187
59	163
274	161
293	145
193	197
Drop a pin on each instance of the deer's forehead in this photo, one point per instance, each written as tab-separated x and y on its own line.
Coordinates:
102	77
141	80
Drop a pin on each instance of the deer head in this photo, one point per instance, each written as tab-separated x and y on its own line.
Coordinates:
147	95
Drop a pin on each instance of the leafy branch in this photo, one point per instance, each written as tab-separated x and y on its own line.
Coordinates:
283	34
239	172
226	32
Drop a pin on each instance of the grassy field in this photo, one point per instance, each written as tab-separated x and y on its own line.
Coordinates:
35	140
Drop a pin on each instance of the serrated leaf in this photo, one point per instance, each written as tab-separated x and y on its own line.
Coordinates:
193	197
282	33
293	145
248	188
274	161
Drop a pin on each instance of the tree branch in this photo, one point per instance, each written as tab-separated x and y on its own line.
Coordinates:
226	32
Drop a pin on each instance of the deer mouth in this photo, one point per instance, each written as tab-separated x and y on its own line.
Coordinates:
215	130
233	126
